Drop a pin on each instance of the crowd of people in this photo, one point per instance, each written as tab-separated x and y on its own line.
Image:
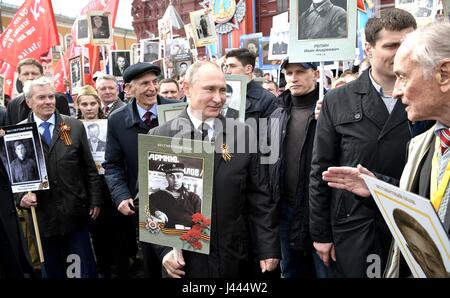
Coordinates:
306	213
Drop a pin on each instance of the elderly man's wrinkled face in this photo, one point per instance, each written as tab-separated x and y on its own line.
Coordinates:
175	180
421	95
21	151
42	101
145	89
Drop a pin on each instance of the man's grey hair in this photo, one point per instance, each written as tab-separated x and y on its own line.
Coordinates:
106	77
29	86
193	70
430	45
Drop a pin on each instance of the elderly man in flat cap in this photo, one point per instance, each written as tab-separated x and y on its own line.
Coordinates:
174	205
121	157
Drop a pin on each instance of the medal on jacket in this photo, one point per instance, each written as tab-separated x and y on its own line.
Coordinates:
65	133
225	153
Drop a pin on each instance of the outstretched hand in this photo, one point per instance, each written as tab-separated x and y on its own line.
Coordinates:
348	178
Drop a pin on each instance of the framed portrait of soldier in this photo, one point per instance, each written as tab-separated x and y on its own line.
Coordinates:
264	61
416	228
322	30
236	96
119	61
181	66
2	91
135	49
150	50
100	28
96	134
76	73
175	204
190	38
82	27
279	43
171	111
203	28
22	154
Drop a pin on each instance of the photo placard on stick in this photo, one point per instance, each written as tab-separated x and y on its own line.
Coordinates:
328	36
83	32
203	27
150	50
416	228
100	28
76	73
176	197
96	134
22	154
119	61
236	97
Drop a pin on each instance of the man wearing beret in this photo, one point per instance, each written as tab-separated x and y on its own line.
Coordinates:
174	205
240	186
121	157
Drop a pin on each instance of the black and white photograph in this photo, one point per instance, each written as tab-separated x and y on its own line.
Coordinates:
203	27
416	228
21	151
96	134
135	49
190	38
251	42
176	191
322	30
320	19
236	94
100	28
119	61
82	30
76	73
181	66
279	41
150	50
264	61
424	11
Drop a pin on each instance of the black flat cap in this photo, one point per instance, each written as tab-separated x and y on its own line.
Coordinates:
173	167
136	70
305	65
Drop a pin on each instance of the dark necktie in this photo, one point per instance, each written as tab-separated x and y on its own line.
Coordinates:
46	136
204	129
106	110
148	118
445	139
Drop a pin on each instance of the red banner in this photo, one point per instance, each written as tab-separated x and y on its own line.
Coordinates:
31	33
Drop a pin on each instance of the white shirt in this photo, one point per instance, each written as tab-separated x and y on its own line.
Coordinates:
389	101
51	120
198	122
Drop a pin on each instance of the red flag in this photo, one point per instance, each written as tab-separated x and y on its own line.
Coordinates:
31	33
8	72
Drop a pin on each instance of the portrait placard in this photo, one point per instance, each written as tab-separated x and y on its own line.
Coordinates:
150	50
264	61
119	61
100	28
416	228
171	111
82	27
424	11
23	157
96	135
135	49
203	27
76	73
251	42
190	38
176	193
328	36
279	43
236	92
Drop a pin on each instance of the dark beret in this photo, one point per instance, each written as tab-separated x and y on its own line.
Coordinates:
136	70
173	167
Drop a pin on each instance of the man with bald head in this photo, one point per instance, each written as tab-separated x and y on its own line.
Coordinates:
241	181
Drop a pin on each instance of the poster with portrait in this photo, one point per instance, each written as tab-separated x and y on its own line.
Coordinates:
175	197
251	42
82	29
135	49
203	27
190	38
178	48
328	36
236	96
171	111
150	50
264	62
96	135
2	91
181	65
119	60
164	29
416	228
424	11
162	65
23	157
100	29
279	43
76	73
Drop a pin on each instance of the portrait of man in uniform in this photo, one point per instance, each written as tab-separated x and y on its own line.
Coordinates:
23	167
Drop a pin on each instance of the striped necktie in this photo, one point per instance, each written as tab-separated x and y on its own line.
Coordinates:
445	140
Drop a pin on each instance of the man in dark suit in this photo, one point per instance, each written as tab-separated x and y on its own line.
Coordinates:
120	65
17	110
428	152
228	112
121	156
95	143
63	210
359	123
238	182
108	91
14	257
